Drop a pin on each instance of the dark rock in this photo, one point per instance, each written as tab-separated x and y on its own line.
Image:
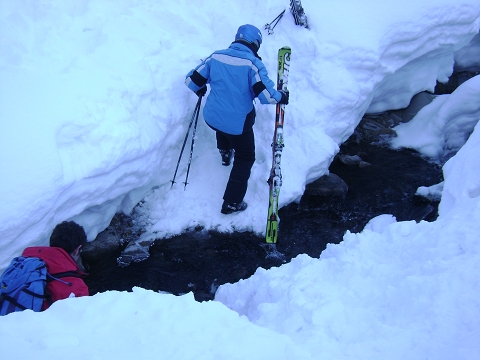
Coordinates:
377	128
416	104
454	82
327	185
353	160
105	243
135	251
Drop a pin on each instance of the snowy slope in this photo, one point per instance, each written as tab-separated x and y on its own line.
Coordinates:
93	111
93	106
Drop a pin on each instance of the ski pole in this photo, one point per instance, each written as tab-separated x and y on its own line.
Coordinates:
275	21
195	112
193	142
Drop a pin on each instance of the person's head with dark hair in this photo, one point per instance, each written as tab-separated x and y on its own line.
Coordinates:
69	236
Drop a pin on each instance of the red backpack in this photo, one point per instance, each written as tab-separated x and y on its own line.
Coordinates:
65	277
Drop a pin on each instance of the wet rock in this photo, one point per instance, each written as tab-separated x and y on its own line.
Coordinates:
432	193
196	261
105	243
416	104
377	128
136	251
457	79
327	185
353	160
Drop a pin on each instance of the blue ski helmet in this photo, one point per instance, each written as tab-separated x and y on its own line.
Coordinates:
250	34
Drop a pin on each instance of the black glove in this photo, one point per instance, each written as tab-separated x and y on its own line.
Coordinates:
285	97
201	92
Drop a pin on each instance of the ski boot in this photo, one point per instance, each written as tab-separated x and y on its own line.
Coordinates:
227	156
228	208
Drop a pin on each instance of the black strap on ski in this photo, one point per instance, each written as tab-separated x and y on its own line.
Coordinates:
195	115
270	26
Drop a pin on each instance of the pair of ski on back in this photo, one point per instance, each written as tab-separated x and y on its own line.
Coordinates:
275	179
283	68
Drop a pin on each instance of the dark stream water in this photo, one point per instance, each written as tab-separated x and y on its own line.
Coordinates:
198	261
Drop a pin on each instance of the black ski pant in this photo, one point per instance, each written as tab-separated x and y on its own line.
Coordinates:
244	158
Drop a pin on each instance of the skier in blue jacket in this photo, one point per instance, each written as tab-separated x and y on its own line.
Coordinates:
236	76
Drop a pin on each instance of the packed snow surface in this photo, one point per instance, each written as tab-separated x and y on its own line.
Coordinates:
93	113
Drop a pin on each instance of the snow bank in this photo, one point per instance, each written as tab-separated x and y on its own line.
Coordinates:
462	170
92	112
93	106
143	324
442	127
404	291
468	57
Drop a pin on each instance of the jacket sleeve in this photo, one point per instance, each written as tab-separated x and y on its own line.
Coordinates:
263	87
198	77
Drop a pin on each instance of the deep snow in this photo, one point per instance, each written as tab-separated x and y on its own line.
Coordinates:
93	111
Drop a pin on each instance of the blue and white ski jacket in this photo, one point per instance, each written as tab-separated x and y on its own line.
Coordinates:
236	77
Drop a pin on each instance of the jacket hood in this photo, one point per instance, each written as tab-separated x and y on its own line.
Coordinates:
57	259
243	45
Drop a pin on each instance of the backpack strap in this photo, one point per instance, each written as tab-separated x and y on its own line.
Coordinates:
12	301
57	276
65	274
29	292
4	297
